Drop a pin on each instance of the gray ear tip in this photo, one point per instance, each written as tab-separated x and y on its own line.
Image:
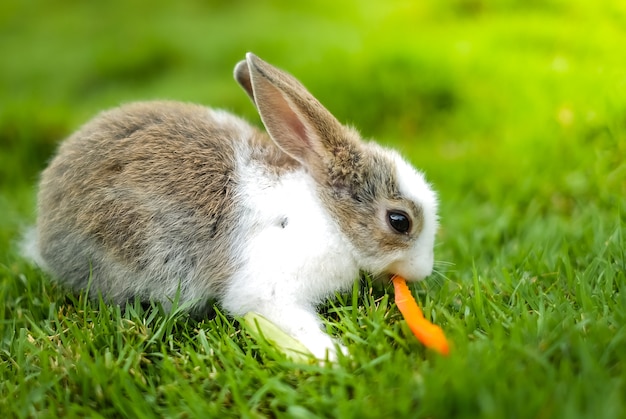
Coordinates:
240	67
243	66
242	76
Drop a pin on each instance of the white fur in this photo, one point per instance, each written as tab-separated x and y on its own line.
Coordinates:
236	124
29	247
418	263
286	271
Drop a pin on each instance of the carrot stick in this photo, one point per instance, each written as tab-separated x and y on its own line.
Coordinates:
429	334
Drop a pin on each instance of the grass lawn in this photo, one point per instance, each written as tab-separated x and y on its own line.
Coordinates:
515	110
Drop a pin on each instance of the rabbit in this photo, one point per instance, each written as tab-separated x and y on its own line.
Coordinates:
152	199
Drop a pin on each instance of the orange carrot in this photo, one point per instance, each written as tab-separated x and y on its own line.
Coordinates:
429	334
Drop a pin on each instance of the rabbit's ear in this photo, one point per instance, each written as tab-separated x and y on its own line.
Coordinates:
242	75
294	119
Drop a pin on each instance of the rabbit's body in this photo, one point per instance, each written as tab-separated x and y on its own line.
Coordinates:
123	201
156	197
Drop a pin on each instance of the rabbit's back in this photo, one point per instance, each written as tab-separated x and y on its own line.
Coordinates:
143	196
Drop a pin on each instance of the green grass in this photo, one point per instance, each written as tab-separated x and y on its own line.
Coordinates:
515	110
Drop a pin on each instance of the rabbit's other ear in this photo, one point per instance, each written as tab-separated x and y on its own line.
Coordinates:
242	75
295	120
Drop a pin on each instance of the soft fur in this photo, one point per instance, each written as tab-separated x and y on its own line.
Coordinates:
151	198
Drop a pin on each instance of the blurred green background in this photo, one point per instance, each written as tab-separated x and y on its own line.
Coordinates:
515	109
478	93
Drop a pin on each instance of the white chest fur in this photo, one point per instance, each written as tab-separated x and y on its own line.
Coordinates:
291	249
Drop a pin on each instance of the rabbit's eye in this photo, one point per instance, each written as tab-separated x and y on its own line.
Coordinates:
399	221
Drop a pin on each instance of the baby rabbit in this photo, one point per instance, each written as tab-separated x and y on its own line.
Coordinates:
153	198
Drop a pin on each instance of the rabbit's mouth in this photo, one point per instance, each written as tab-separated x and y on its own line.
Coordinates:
387	277
411	272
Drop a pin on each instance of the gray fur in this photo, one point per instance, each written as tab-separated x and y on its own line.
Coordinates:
143	196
